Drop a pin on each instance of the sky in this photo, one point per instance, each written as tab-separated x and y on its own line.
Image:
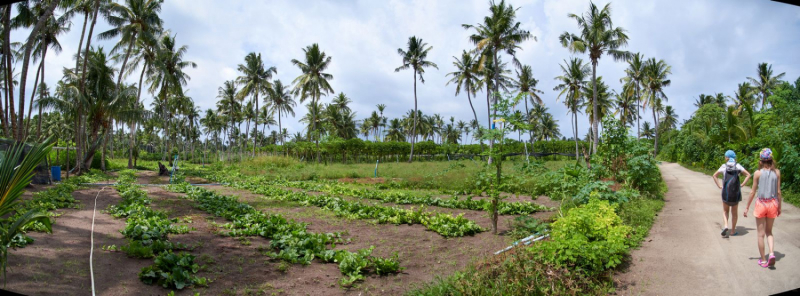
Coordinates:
710	45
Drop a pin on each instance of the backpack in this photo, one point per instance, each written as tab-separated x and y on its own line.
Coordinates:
731	188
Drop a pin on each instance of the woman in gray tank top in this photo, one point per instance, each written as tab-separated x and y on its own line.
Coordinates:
767	190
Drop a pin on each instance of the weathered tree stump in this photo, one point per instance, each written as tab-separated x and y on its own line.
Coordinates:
162	170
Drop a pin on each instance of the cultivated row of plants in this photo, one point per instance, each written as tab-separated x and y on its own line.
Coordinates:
147	232
291	240
400	197
444	224
47	201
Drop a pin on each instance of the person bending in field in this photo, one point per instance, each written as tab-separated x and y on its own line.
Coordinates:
767	187
731	191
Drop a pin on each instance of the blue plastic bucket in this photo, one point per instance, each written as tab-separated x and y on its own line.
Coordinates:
56	171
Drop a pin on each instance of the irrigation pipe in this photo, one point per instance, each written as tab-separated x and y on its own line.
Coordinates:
526	241
91	239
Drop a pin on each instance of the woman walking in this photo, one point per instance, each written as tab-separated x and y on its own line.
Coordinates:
731	191
767	187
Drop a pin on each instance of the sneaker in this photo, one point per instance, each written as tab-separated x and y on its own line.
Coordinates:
724	232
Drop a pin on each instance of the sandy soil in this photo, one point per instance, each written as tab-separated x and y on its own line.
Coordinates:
685	254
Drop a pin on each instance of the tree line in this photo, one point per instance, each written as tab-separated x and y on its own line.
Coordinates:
94	110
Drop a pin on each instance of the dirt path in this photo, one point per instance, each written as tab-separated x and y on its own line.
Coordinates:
685	254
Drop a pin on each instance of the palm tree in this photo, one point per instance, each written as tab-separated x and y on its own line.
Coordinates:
526	85
341	100
229	106
395	132
313	82
647	131
461	126
48	38
136	19
703	99
670	119
721	100
281	100
655	80
597	36
254	80
549	127
634	75
382	123
168	77
415	57
602	104
466	76
499	32
765	82
573	84
626	105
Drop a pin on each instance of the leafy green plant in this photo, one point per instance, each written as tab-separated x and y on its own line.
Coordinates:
171	270
524	226
591	237
292	241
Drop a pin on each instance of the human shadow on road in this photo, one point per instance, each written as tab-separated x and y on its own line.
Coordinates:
741	231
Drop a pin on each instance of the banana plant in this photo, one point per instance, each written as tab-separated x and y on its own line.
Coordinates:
16	171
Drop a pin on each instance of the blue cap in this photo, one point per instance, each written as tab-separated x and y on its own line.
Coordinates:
730	154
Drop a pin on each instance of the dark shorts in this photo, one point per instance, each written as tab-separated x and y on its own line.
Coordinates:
731	203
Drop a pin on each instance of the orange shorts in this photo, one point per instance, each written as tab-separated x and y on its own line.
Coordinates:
766	208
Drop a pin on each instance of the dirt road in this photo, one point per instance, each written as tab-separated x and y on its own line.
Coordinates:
685	254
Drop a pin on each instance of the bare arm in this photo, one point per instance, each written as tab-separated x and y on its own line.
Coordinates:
753	191
747	177
716	179
780	195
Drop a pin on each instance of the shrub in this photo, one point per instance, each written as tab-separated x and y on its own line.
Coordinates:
591	237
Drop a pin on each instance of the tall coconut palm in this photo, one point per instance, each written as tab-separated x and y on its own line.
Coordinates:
255	80
573	84
526	85
765	82
382	123
634	75
670	119
602	105
415	58
47	39
466	76
499	32
597	36
313	82
134	20
627	107
656	73
41	19
229	106
703	99
281	100
342	101
549	127
168	76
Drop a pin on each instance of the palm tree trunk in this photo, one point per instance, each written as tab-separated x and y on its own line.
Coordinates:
595	120
655	121
496	90
80	132
26	57
125	62
414	126
638	102
8	109
33	95
255	137
575	126
39	123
